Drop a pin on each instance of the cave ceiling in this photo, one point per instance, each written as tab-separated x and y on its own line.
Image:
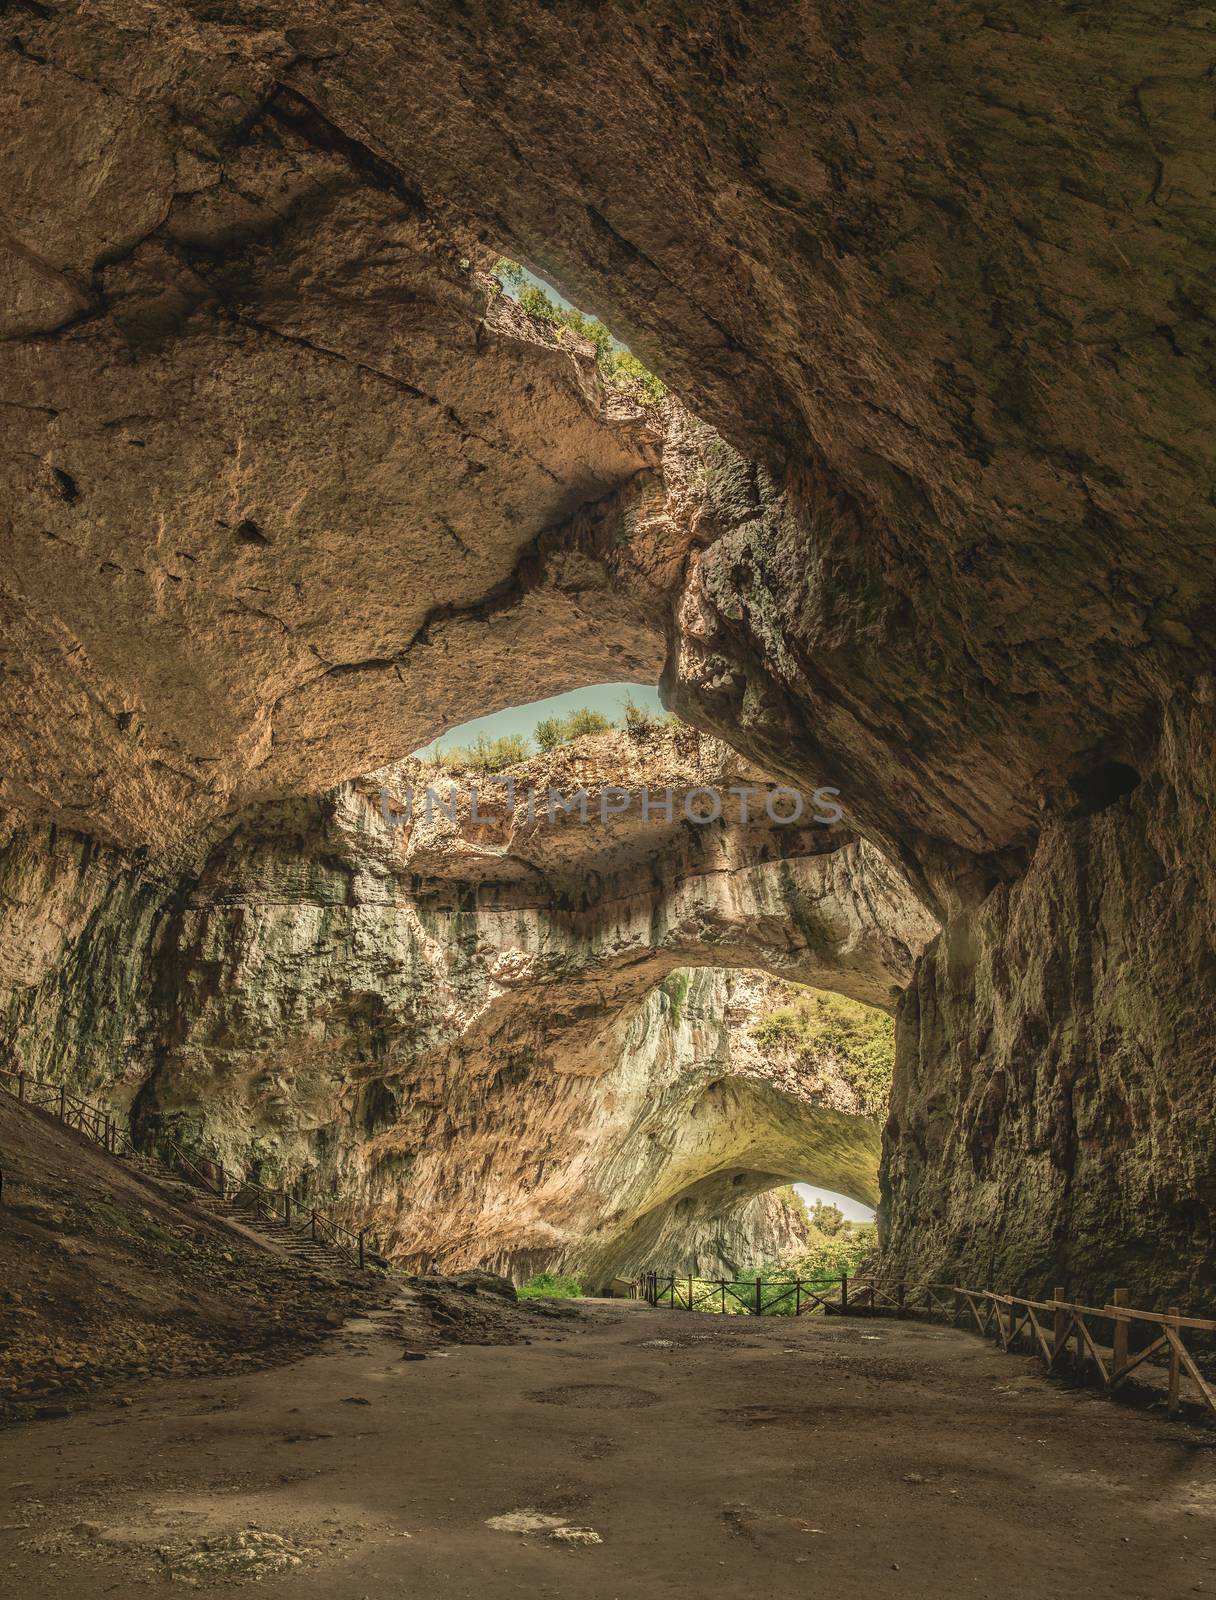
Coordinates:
289	489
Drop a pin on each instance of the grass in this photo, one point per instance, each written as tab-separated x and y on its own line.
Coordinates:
555	1285
552	731
493	755
485	754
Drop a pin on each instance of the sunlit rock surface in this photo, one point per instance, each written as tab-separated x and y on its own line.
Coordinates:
481	1038
286	494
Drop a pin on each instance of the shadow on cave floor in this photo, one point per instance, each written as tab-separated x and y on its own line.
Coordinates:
709	1455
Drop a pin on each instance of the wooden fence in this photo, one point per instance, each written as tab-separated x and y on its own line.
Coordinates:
1104	1343
211	1177
757	1297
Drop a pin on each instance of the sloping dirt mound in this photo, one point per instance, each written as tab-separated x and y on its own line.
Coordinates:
106	1277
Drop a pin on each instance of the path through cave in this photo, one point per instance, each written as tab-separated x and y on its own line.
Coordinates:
884	1459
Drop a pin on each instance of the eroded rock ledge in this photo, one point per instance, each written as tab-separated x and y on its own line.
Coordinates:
469	1032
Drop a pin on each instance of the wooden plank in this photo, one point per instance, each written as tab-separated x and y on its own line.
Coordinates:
730	1289
1133	1362
1172	1401
1060	1322
1201	1324
971	1298
1183	1356
1120	1338
1084	1337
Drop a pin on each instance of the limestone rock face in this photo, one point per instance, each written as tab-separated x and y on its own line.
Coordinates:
1051	1121
944	341
289	491
477	1031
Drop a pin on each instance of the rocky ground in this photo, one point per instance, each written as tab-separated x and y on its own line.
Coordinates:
604	1448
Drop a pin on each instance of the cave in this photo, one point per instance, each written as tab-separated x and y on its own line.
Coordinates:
845	376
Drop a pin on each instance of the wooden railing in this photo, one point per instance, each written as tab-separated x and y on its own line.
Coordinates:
1061	1331
277	1204
1051	1327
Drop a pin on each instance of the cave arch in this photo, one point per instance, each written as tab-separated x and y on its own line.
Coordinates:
935	551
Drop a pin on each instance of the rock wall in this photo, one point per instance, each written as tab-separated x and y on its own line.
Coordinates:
286	493
1051	1121
479	1035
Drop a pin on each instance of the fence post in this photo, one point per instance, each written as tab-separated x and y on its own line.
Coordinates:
1172	1405
360	1246
63	1103
1120	1340
797	1297
759	1301
899	1297
286	1205
21	1087
844	1291
314	1222
223	1181
1082	1355
1059	1324
690	1291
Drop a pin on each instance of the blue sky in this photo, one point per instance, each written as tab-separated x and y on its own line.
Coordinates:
853	1209
608	698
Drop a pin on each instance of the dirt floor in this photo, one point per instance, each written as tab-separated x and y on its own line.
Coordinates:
622	1451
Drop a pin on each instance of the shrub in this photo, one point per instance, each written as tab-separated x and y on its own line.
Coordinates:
552	731
828	1255
560	1285
510	274
485	754
779	1028
584	721
827	1218
620	366
823	1029
676	986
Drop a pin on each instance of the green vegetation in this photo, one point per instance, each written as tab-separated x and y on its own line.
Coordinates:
824	1216
676	986
829	1029
641	721
826	1258
619	366
552	731
485	755
829	1254
492	755
557	1285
